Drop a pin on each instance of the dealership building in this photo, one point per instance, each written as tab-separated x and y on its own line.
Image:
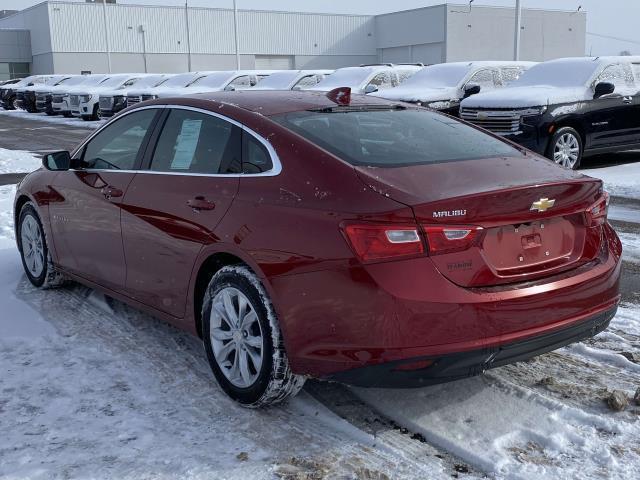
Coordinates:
72	37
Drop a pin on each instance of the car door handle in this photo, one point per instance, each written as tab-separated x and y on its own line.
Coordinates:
110	192
201	203
627	99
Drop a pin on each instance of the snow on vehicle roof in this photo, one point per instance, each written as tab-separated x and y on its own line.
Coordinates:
284	79
568	72
354	77
453	74
215	79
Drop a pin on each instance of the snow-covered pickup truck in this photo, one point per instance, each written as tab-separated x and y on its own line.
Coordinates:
566	108
442	87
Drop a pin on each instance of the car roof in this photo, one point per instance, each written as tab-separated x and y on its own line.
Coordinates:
268	102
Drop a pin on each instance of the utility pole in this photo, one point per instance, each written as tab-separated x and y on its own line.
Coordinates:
235	29
144	46
186	17
516	40
106	33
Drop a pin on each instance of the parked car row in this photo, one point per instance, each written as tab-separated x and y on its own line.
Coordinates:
564	109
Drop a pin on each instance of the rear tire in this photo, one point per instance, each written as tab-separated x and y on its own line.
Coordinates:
566	148
36	258
243	342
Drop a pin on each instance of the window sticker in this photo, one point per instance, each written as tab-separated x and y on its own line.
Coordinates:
186	144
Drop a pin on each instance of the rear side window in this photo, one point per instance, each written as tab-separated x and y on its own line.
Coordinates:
194	142
118	145
394	138
255	157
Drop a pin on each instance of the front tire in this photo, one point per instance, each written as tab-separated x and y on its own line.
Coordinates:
34	251
566	148
242	340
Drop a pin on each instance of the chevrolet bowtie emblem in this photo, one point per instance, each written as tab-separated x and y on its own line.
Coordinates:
542	205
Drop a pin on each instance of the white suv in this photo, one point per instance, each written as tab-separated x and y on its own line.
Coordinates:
84	101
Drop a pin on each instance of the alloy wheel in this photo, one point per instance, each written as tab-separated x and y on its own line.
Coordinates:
236	337
32	245
566	151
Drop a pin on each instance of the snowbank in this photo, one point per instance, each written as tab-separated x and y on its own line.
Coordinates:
17	161
73	122
621	180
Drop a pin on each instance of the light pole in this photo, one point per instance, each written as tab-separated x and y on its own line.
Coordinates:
235	30
516	40
186	17
144	46
106	33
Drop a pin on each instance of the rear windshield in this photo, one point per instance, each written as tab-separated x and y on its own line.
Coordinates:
394	138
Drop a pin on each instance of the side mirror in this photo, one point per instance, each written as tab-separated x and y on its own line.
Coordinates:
57	161
370	89
229	88
604	88
471	89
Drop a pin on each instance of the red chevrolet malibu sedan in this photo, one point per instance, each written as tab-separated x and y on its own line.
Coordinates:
309	234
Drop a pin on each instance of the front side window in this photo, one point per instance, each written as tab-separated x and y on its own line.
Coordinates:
243	81
394	137
510	75
620	75
485	78
194	142
308	82
117	146
384	80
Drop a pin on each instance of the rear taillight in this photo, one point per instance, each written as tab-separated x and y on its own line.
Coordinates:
448	239
373	242
597	213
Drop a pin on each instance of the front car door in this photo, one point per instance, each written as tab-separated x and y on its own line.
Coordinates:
86	220
611	119
171	209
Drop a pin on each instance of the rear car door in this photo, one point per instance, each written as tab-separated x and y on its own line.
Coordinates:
173	207
611	119
86	221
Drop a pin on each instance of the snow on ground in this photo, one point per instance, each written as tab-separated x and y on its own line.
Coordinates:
631	246
545	418
620	180
58	119
91	388
17	161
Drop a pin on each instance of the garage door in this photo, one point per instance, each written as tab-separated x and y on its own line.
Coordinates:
274	62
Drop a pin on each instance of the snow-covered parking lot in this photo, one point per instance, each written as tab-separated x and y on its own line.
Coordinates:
93	389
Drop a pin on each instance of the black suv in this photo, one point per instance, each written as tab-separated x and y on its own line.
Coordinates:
566	109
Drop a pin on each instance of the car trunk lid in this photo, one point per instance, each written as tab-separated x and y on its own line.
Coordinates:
497	221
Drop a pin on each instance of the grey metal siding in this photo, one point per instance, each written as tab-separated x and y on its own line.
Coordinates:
15	46
78	27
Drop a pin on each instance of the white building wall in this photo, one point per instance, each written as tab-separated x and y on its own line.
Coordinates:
487	33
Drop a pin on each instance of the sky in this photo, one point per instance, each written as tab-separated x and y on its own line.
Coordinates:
612	24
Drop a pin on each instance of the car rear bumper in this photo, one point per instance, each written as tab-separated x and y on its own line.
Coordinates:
455	366
363	316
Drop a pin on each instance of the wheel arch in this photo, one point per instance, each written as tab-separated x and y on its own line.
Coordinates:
20	202
576	124
210	263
